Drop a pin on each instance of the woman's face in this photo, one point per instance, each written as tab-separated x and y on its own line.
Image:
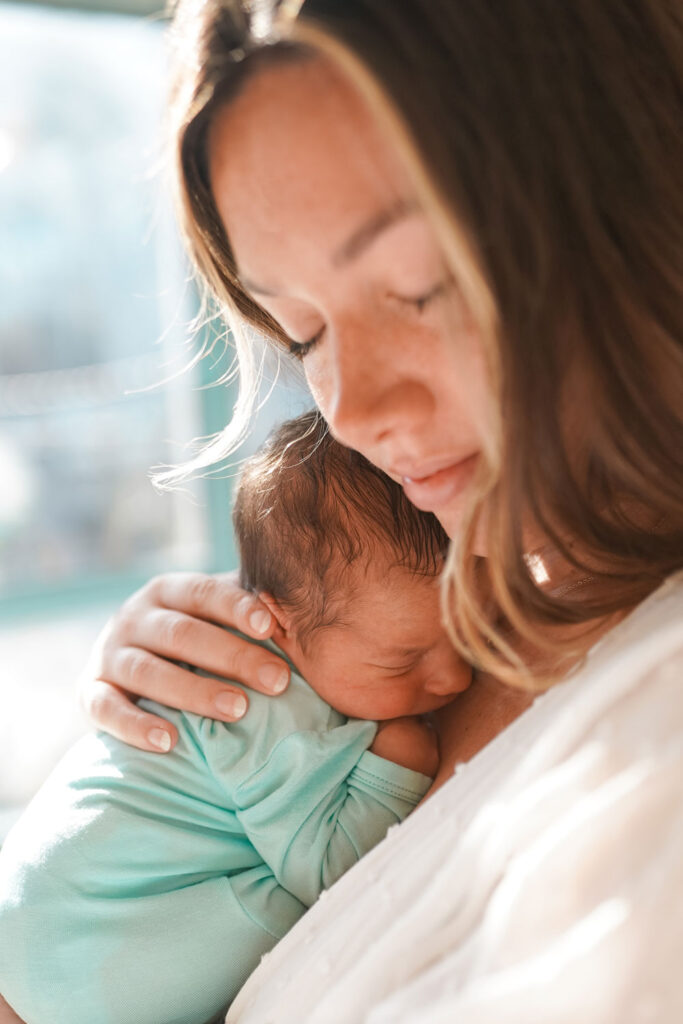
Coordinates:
328	238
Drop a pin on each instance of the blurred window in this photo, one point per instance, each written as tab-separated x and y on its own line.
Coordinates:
94	304
95	307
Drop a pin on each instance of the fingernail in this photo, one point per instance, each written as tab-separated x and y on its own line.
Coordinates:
273	678
260	621
160	739
232	704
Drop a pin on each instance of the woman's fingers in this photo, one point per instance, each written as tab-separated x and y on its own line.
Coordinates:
146	675
108	708
164	633
170	620
214	598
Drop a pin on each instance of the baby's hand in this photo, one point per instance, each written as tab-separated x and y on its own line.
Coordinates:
410	742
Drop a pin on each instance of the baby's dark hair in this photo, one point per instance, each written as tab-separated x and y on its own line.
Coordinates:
307	509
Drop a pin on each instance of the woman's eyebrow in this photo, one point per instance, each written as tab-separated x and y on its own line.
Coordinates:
363	237
258	289
360	240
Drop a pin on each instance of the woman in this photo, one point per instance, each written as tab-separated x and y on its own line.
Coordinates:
466	220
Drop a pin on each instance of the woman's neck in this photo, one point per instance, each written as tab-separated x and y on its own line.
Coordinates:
473	719
477	716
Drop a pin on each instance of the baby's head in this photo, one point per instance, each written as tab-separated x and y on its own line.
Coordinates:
350	569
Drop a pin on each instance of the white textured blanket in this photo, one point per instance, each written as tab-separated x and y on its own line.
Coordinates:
543	883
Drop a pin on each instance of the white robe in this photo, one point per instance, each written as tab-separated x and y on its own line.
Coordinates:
543	883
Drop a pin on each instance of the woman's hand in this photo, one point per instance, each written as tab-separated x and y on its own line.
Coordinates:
172	617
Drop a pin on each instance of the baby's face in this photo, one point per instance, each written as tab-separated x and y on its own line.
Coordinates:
390	656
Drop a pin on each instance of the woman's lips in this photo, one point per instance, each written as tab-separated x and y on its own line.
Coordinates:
435	490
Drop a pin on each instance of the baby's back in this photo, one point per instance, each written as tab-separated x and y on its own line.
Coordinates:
143	889
129	890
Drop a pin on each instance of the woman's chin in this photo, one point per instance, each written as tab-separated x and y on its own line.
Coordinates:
447	494
452	518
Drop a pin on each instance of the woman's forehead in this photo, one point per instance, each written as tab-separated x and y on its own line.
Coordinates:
296	157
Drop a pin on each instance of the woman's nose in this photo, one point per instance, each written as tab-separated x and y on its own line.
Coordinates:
363	415
371	396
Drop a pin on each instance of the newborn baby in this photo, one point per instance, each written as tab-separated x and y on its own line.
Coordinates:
140	888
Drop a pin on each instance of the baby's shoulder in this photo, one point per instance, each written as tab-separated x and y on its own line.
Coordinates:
268	719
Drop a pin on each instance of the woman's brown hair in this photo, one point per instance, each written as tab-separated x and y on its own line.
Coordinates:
546	141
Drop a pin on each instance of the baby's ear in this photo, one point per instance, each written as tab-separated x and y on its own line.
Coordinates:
281	615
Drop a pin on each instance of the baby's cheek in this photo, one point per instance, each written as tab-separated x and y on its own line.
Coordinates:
395	701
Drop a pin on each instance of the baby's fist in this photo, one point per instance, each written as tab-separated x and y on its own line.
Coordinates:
410	742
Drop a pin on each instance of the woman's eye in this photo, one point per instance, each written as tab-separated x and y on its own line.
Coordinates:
299	349
420	302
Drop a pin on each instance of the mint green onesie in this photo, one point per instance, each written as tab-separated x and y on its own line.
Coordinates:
144	889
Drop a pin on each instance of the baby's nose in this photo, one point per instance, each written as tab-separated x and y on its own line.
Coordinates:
454	680
442	686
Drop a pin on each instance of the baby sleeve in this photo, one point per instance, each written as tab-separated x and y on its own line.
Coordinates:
320	802
129	894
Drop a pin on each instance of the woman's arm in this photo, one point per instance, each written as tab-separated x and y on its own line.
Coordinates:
176	618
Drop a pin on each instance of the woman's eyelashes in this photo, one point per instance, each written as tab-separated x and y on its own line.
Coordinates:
300	349
420	302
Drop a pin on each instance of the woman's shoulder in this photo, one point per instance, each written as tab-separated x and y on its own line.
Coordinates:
625	695
651	633
626	699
